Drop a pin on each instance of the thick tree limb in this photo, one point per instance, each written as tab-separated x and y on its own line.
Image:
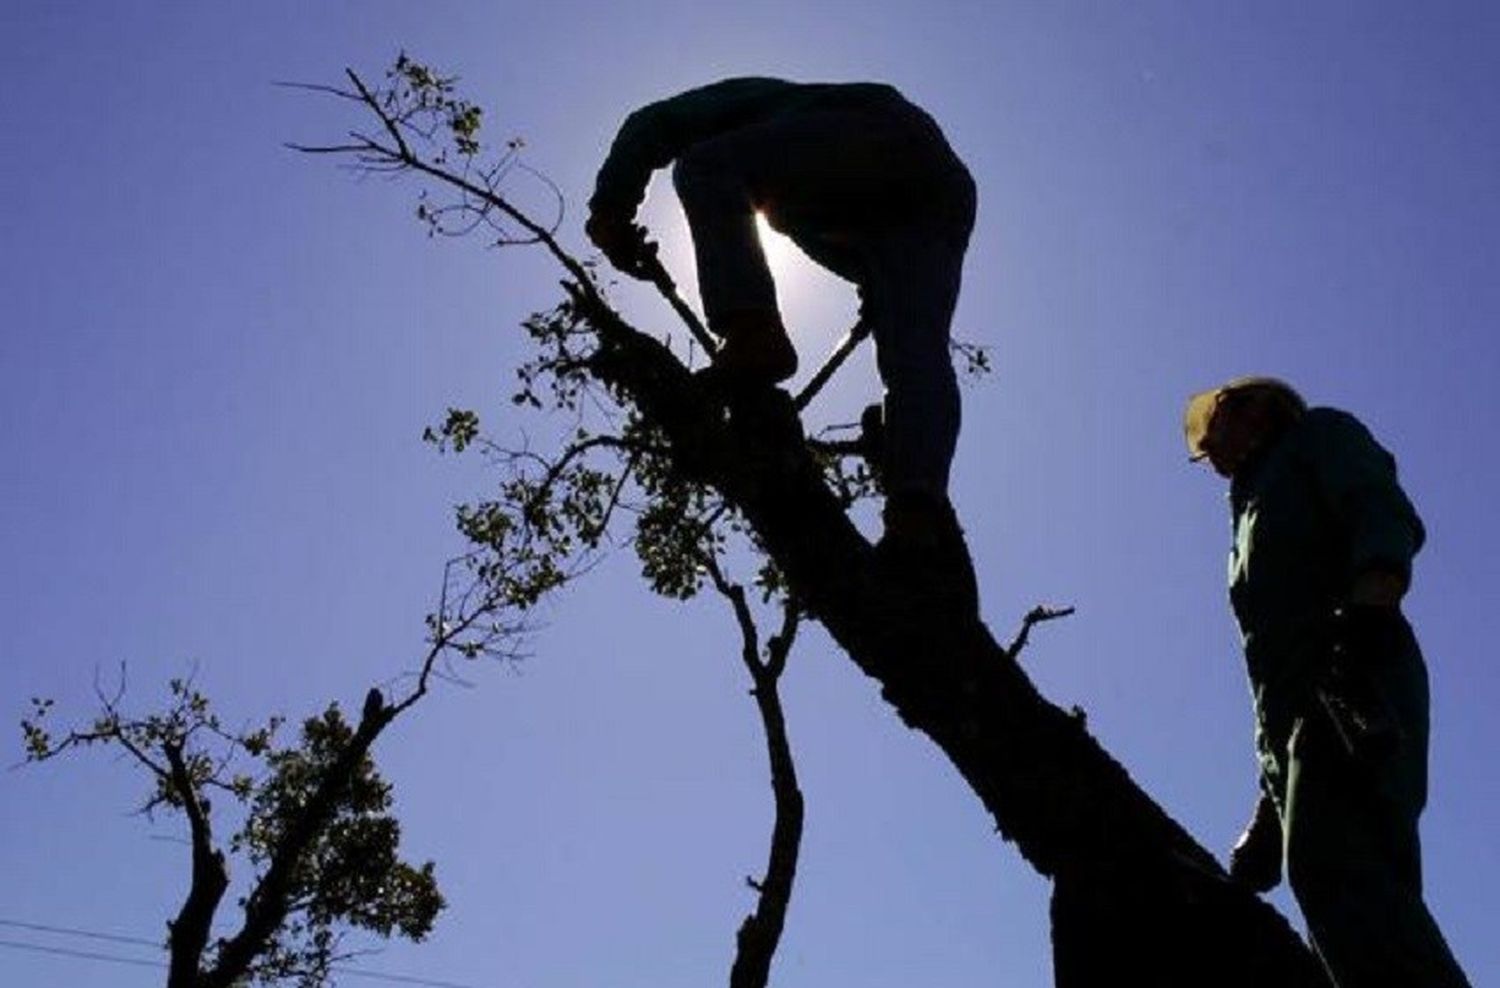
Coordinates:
1072	810
189	932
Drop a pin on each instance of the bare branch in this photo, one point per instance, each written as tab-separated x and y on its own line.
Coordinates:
780	645
325	148
749	634
390	124
313	87
614	496
1037	615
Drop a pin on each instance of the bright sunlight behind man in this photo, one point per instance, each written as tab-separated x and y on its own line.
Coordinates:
789	266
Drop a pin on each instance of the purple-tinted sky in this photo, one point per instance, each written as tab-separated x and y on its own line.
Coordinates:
219	356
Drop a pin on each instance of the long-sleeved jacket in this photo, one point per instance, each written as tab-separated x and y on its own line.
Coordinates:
1319	507
653	136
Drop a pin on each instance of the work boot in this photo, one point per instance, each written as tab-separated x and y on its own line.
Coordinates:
756	350
923	550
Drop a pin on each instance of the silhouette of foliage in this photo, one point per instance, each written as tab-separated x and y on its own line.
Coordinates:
316	833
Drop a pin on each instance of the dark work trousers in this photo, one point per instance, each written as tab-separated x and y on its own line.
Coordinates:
873	193
1350	825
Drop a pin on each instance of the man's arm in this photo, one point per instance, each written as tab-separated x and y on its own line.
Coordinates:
650	138
1359	480
1383	533
1255	859
653	136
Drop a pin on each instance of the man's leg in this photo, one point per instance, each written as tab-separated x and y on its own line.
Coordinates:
1352	853
909	290
855	187
739	296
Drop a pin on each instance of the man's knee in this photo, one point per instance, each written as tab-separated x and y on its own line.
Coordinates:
914	358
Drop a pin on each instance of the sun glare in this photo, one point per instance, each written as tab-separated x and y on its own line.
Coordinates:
781	254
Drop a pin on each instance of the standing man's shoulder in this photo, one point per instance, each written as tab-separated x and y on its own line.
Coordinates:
1355	469
1322	418
1328	430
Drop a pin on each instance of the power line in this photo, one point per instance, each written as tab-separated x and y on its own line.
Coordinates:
353	972
356	972
87	955
71	932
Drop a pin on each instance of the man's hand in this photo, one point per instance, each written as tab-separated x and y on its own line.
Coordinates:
1363	635
624	243
1255	859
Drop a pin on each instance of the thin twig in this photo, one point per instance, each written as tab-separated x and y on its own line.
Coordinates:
1037	615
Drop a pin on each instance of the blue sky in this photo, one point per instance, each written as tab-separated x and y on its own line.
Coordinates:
218	358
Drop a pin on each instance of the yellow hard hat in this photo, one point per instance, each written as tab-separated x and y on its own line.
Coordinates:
1200	407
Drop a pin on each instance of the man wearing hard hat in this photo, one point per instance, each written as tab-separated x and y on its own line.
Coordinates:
1323	542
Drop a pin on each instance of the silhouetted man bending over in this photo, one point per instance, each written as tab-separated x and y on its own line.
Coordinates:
866	185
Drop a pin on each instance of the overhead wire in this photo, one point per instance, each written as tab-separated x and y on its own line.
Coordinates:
85	954
74	932
71	931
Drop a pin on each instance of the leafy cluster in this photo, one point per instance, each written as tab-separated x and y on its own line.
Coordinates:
558	376
849	472
679	524
422	108
187	732
351	873
458	430
973	359
551	514
425	103
347	872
